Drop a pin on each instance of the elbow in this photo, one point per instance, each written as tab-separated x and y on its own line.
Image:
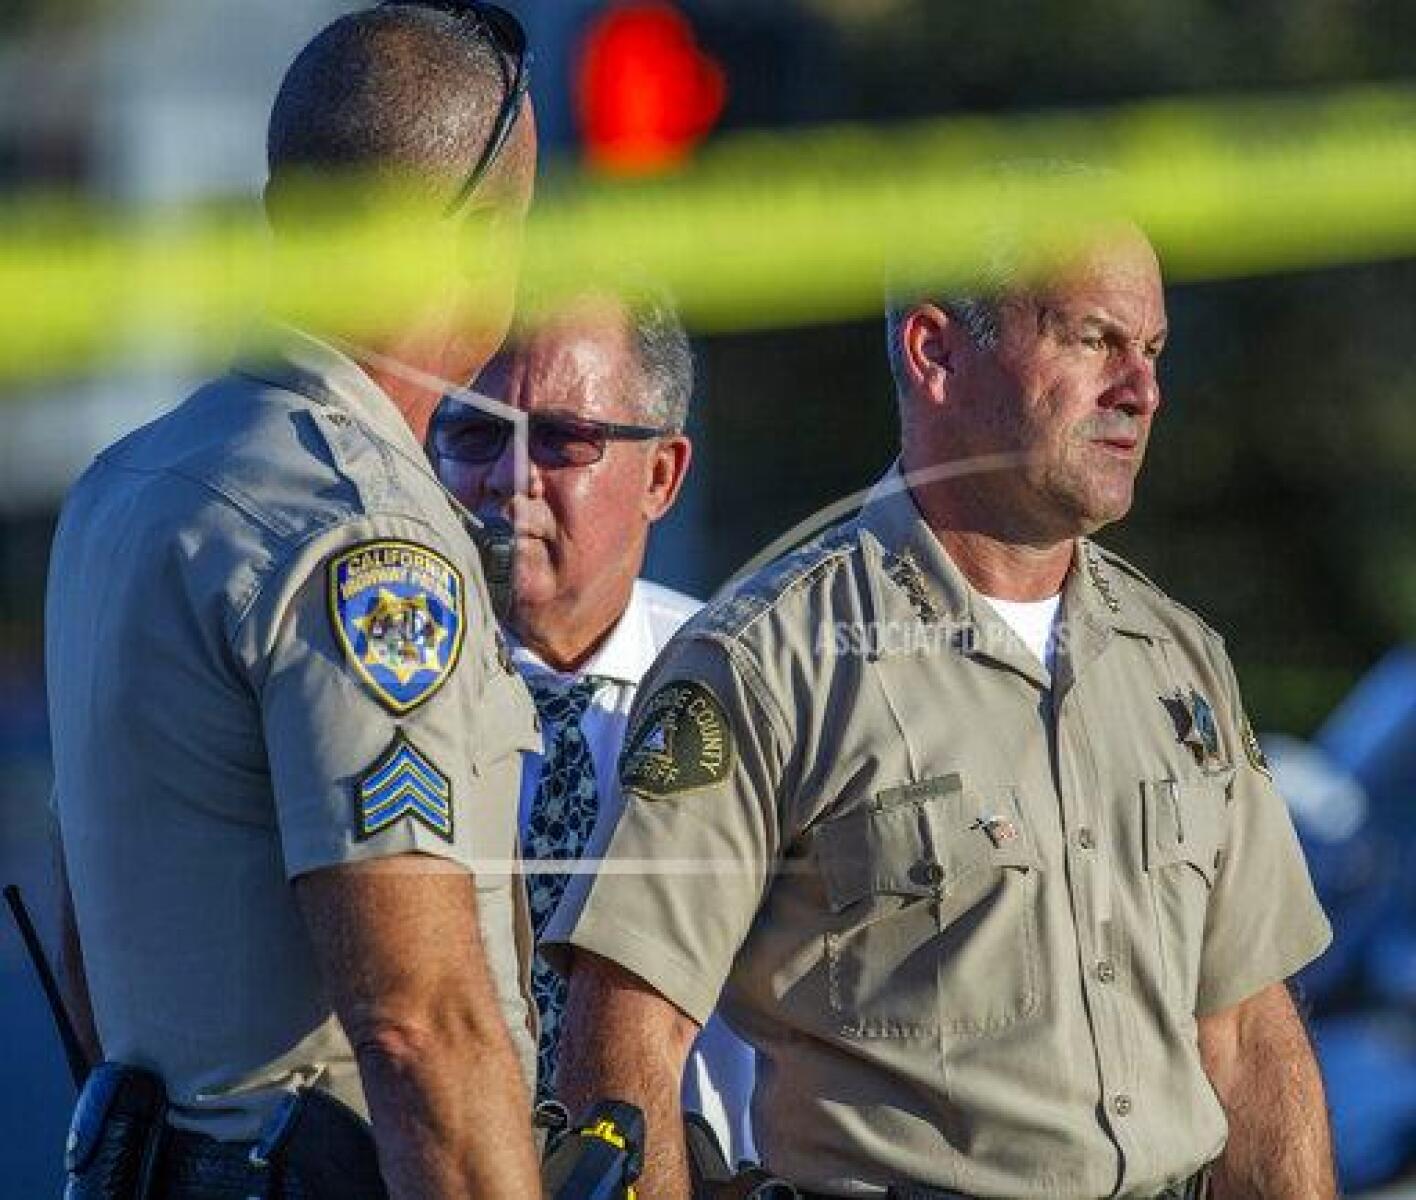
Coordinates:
405	1040
390	1041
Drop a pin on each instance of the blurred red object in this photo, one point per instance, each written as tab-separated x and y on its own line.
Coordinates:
645	93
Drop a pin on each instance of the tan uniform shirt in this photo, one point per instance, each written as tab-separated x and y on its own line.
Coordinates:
967	913
270	650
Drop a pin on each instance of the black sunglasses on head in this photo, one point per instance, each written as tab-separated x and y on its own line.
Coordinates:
478	439
506	35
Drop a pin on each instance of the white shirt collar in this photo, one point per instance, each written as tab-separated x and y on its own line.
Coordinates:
624	656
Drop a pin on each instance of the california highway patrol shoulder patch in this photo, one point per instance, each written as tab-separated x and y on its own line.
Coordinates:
681	743
399	613
404	783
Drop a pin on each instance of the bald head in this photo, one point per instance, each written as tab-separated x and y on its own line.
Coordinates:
400	91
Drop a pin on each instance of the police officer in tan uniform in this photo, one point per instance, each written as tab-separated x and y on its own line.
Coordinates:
287	742
969	833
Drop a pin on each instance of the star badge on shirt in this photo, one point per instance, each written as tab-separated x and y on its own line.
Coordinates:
1195	726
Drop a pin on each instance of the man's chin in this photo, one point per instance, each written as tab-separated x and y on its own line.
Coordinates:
533	588
1103	511
1082	512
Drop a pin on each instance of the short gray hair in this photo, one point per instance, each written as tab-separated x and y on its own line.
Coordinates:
976	307
665	356
978	315
646	314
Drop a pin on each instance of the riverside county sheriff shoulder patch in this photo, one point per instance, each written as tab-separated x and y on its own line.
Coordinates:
682	743
398	612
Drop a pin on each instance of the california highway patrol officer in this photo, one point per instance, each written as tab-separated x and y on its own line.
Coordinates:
970	835
273	660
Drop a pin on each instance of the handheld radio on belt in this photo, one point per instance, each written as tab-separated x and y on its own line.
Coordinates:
600	1159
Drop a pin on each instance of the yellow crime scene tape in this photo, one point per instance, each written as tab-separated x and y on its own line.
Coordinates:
762	231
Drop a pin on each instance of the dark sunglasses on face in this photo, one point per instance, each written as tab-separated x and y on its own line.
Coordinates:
508	38
479	439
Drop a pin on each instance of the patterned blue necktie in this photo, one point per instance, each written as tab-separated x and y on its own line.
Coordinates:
562	817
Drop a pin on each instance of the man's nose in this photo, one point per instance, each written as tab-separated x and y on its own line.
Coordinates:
501	473
1137	390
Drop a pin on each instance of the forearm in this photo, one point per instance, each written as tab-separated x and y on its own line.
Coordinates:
615	1048
450	1115
586	1078
401	953
1279	1146
1267	1079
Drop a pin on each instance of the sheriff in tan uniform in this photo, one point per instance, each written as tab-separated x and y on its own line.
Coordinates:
271	650
969	905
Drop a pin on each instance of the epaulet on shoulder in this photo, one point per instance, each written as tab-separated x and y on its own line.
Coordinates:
732	614
1139	580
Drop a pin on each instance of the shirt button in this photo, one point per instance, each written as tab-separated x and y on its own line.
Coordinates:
1106	971
1086	839
933	873
1121	1105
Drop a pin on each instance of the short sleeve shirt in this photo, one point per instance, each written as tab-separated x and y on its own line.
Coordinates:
966	911
270	650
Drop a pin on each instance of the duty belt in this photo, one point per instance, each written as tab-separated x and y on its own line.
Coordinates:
315	1149
1194	1188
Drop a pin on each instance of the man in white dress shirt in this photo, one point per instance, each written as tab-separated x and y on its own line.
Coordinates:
606	383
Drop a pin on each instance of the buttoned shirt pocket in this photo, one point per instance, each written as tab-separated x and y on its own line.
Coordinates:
1186	822
932	895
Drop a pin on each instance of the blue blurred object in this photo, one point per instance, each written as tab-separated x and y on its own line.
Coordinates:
1372	735
1354	867
1369	1066
1353	798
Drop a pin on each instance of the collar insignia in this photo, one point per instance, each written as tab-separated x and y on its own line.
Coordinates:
1098	577
903	571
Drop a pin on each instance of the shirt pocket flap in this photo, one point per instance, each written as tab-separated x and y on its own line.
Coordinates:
918	840
1186	823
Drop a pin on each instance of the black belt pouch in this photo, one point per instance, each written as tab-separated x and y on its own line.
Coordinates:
116	1134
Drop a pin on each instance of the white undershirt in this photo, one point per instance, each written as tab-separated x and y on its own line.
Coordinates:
1035	623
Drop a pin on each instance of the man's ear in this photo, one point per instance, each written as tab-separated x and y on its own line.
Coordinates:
668	467
928	345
